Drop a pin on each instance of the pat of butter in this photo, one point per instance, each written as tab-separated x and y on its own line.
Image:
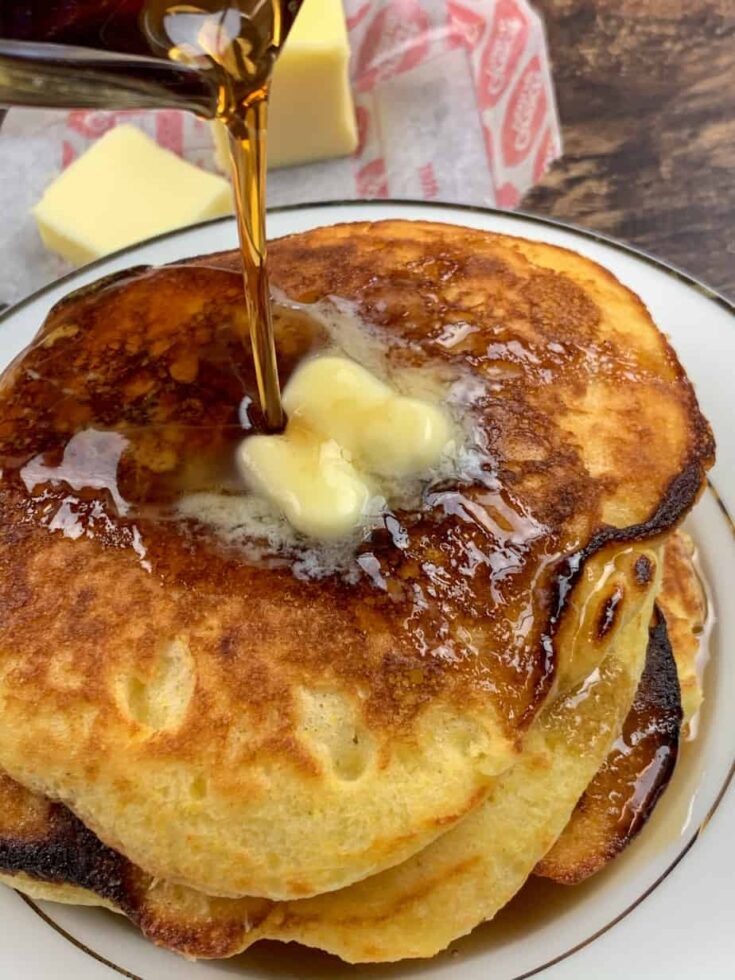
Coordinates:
310	481
346	430
385	433
311	116
124	189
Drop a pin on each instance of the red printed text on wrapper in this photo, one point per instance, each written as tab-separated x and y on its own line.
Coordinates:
466	27
502	52
524	115
372	180
397	39
545	155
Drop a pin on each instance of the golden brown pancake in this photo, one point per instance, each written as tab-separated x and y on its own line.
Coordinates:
414	909
623	794
620	799
235	728
48	854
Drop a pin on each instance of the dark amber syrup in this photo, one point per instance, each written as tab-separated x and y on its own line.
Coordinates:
233	45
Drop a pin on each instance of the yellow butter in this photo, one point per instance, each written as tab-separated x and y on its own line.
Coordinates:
349	437
334	396
405	438
385	433
311	116
125	189
311	481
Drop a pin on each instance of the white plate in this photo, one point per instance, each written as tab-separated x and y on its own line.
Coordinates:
665	908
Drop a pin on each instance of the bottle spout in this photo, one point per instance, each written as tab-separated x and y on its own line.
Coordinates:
68	77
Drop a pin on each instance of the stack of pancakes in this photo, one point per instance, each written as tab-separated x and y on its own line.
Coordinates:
373	760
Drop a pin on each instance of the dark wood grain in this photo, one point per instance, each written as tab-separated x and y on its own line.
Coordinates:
646	92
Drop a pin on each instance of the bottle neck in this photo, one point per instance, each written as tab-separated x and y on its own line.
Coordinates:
60	76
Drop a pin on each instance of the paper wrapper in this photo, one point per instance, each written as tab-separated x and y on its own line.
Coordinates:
454	103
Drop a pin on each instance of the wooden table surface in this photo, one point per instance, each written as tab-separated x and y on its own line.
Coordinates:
646	93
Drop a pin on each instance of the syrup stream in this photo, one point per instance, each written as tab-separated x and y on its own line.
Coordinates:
248	154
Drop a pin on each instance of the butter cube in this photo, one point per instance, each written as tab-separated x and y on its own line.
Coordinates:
124	189
406	437
312	116
345	428
385	433
311	482
334	396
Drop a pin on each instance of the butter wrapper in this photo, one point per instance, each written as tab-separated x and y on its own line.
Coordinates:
454	100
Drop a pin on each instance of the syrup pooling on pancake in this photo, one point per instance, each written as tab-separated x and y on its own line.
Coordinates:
412	636
121	457
307	709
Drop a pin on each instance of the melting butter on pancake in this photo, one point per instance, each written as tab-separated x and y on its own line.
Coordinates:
347	432
231	727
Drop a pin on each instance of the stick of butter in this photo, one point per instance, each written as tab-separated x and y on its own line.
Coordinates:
124	189
311	115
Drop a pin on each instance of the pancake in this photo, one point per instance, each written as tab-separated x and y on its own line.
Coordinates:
233	727
47	853
618	802
411	910
620	799
684	604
